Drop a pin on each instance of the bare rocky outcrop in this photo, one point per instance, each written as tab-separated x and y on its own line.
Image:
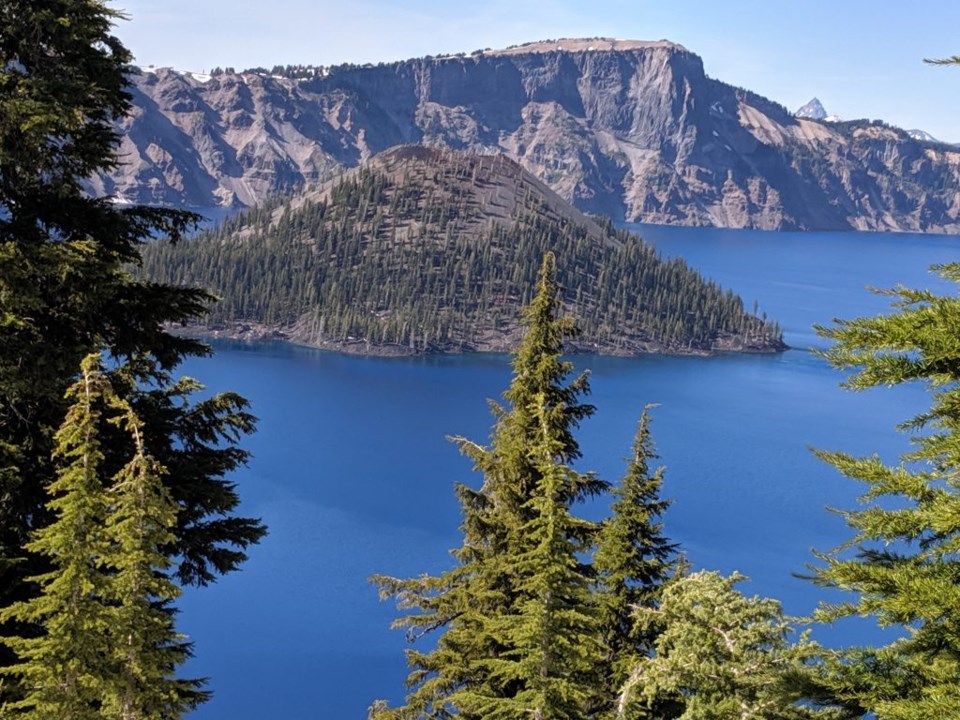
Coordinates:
631	129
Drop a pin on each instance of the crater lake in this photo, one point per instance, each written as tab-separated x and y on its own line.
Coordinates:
353	475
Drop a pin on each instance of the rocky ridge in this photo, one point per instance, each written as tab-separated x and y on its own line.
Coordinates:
631	129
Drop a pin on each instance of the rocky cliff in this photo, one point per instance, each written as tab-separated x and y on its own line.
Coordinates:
635	130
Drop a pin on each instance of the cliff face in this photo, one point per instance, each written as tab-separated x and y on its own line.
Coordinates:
631	129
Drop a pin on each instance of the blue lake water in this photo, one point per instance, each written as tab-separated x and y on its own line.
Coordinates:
353	474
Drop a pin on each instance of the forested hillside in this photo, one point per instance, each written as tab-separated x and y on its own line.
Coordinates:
426	250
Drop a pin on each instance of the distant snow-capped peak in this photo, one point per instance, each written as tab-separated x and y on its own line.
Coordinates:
922	135
813	110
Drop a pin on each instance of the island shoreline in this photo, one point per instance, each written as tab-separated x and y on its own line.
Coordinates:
255	332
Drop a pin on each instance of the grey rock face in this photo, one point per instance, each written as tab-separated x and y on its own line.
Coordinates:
813	110
631	129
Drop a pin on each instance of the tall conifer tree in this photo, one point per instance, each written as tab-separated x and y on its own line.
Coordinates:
633	560
61	671
109	650
518	628
146	649
65	292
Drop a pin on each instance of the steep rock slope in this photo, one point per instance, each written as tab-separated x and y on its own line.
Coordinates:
430	250
631	129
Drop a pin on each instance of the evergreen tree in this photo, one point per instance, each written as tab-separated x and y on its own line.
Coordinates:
548	634
903	561
720	655
146	649
65	292
61	670
518	628
109	649
633	560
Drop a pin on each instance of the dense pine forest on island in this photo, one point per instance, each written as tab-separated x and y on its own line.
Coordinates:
430	250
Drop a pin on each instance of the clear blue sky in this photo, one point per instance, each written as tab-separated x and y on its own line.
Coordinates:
862	58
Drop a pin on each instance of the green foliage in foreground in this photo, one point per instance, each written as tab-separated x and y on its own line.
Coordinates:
65	292
720	655
109	649
538	617
903	561
430	260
